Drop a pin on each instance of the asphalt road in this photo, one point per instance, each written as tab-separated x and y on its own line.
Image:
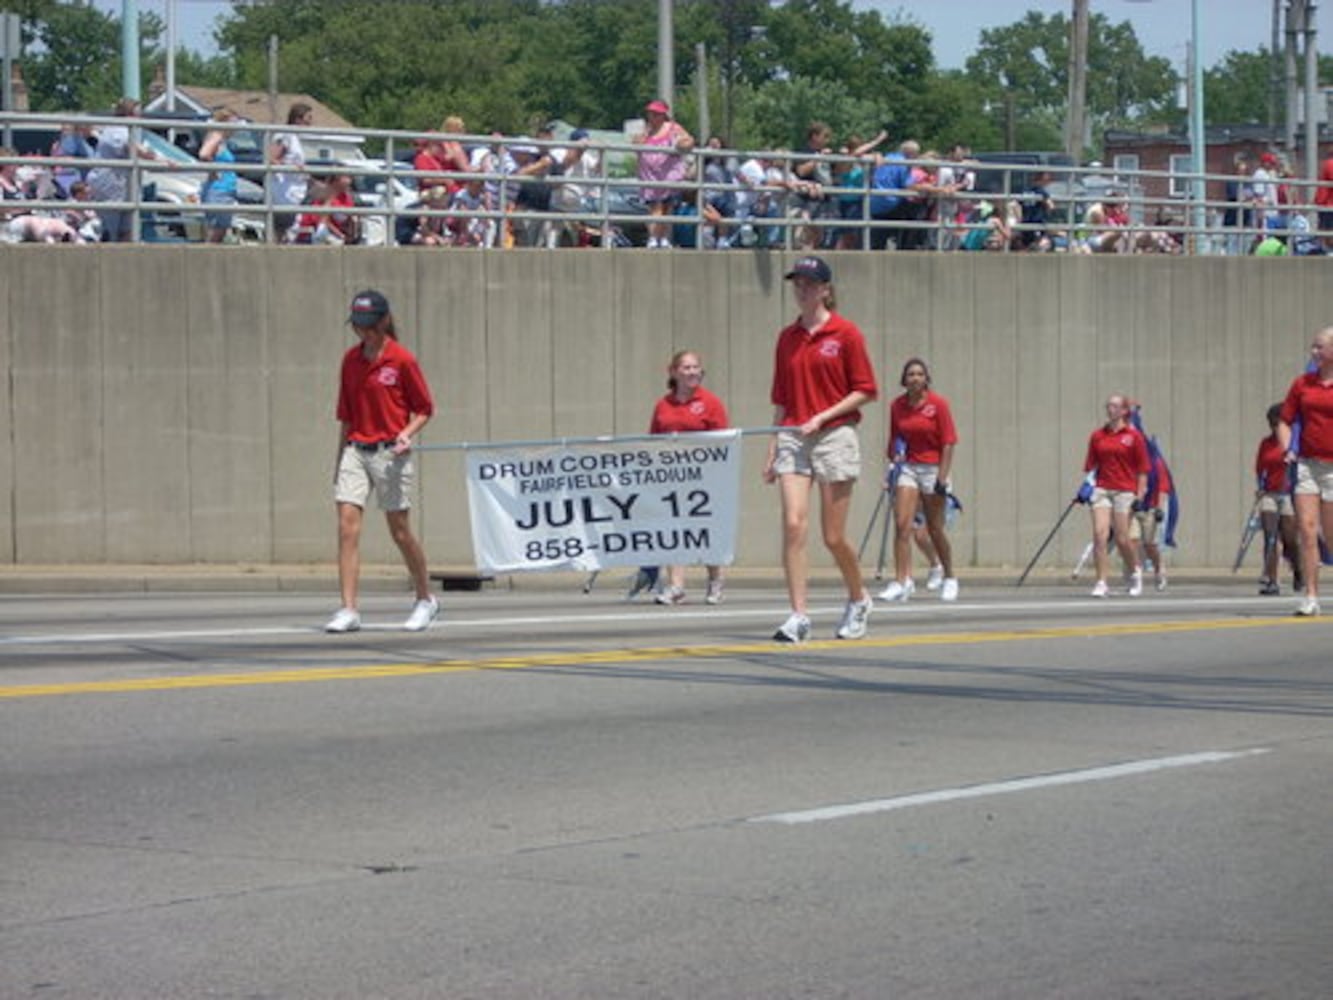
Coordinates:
1028	794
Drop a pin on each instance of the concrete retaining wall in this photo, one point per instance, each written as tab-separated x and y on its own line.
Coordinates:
175	404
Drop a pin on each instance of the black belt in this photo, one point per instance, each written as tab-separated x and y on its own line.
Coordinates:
371	445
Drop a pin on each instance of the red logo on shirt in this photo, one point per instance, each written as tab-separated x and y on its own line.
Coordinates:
1127	440
928	410
388	376
697	408
830	348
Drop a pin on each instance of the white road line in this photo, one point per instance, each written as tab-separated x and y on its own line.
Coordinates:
1004	787
647	613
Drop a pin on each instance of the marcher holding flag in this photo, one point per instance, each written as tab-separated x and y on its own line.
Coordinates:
686	407
922	420
1118	455
822	376
1161	504
1310	402
1276	513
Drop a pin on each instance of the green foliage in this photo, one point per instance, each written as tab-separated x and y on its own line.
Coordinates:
1026	65
73	60
772	67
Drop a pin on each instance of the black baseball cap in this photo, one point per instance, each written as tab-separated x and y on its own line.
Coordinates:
368	308
814	268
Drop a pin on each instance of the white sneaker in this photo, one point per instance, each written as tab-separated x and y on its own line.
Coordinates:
1100	589
854	618
1161	582
1135	587
935	578
344	620
1308	608
898	591
949	590
670	595
795	629
423	613
714	592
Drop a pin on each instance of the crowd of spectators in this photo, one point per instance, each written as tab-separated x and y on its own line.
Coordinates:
538	191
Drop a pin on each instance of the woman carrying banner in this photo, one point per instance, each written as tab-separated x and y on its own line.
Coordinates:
922	420
1118	455
688	406
822	376
1276	513
383	401
1310	400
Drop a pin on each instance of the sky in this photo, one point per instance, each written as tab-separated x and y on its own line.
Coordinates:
1162	26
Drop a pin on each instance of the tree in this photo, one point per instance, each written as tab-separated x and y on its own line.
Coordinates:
72	58
1236	90
1026	65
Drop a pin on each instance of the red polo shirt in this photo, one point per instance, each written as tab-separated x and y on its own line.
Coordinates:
813	371
1312	401
703	411
377	398
1270	465
926	428
1119	456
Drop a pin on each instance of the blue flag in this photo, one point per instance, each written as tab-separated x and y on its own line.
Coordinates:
1156	466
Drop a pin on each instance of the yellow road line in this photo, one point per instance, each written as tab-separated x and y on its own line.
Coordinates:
585	658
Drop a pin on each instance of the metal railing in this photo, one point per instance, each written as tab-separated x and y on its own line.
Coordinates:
782	212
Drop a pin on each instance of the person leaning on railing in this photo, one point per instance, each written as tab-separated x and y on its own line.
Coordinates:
219	190
290	186
111	183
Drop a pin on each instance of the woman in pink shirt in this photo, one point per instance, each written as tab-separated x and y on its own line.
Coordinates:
666	163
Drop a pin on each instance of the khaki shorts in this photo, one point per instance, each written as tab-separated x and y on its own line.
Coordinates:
832	456
1120	501
919	476
1276	503
390	475
1314	477
1143	526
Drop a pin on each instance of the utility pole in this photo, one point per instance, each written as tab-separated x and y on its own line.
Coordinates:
1311	96
1301	39
701	86
1198	137
1076	118
129	48
666	53
171	55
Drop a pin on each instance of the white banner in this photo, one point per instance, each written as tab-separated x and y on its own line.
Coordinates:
640	502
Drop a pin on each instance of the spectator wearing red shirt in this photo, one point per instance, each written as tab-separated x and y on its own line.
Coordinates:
921	425
1323	197
1119	455
329	225
1276	513
383	402
822	376
687	407
1310	399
